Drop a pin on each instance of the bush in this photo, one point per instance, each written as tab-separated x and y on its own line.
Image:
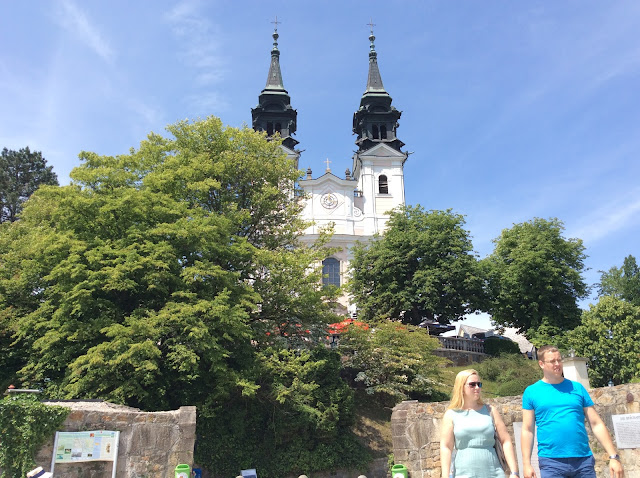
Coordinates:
511	373
25	424
495	346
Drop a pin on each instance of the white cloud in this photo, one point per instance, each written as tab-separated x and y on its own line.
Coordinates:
76	21
610	218
206	104
198	42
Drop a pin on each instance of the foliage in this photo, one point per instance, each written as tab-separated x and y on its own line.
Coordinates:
25	425
421	268
393	361
609	337
495	346
149	280
297	421
511	373
21	173
623	282
535	279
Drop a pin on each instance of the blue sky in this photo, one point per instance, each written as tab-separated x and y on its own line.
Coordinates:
513	110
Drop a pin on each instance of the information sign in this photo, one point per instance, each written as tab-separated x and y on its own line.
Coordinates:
92	445
627	430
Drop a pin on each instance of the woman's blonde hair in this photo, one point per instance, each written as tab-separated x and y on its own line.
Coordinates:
457	395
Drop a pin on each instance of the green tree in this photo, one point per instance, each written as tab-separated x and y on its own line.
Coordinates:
299	420
534	279
422	267
148	280
609	336
21	173
393	361
623	282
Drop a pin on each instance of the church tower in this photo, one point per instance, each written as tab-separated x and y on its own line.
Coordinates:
357	205
274	113
378	164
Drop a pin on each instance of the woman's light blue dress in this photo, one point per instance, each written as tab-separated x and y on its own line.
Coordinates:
475	455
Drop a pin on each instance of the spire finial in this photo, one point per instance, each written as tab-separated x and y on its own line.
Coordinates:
275	34
328	168
371	24
276	23
371	35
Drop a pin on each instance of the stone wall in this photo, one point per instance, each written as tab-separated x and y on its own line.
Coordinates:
415	429
151	443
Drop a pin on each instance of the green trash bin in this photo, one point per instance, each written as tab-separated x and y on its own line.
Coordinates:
399	471
183	471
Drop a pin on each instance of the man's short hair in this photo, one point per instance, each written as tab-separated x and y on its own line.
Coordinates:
546	348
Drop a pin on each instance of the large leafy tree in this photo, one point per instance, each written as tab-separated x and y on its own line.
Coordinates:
609	336
622	282
22	172
423	267
299	419
150	279
534	279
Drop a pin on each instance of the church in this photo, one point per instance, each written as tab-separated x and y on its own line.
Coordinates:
357	204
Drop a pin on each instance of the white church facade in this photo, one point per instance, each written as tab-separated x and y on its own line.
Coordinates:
356	206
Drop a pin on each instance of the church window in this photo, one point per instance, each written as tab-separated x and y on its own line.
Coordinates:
331	272
269	129
383	186
383	132
278	128
376	134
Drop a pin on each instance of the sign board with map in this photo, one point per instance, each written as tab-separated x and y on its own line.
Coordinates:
92	445
627	430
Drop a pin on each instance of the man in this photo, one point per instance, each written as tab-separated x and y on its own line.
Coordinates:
559	407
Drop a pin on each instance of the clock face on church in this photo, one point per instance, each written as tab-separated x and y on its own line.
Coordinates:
329	201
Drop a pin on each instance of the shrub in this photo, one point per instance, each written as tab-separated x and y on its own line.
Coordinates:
511	373
25	424
495	346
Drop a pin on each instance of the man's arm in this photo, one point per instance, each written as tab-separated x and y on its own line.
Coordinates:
602	434
526	442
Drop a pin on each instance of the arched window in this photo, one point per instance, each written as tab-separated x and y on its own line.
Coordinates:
278	128
269	129
383	132
374	130
331	272
383	186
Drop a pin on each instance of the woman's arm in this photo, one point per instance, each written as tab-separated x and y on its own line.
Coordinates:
505	440
447	442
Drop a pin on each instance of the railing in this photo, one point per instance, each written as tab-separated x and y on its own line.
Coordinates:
459	343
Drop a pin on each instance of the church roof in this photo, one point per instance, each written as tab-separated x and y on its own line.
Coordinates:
274	78
374	80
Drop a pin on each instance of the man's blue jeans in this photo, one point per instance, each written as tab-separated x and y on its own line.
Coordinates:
579	467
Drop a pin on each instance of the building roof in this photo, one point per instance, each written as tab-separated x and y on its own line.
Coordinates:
524	345
510	333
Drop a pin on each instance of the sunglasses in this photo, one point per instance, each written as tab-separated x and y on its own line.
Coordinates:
475	384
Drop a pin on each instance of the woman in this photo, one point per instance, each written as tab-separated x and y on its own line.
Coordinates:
468	424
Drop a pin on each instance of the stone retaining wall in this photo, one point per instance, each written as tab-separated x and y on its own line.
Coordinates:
415	429
151	443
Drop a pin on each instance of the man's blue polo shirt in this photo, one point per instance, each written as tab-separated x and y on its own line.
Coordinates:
559	411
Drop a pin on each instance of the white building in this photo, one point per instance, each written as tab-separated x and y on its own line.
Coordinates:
357	204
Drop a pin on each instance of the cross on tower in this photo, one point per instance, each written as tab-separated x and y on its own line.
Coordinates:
328	168
276	23
371	24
